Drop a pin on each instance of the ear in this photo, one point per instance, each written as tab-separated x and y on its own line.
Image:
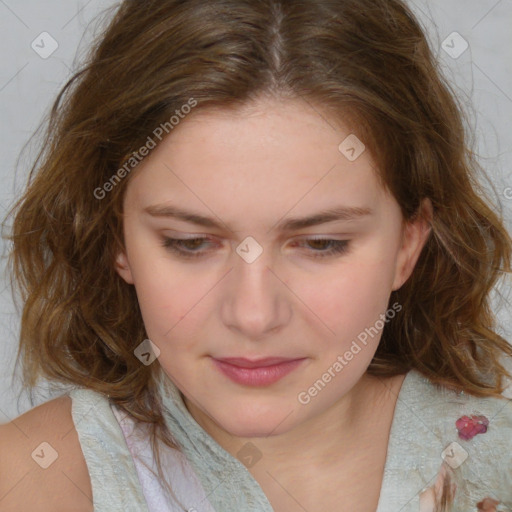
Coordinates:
414	237
122	267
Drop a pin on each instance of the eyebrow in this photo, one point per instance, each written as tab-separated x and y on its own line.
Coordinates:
340	213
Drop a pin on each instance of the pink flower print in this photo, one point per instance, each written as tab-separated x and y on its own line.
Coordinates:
469	427
487	505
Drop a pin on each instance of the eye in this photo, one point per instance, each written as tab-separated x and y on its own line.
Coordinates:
191	247
334	246
181	246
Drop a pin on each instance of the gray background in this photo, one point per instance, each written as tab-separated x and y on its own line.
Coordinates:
482	76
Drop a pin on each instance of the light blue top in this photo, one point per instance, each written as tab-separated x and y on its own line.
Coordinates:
423	428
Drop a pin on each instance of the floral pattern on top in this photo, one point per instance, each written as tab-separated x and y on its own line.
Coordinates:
467	427
470	426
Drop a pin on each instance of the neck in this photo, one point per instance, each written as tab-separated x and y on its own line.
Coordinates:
338	433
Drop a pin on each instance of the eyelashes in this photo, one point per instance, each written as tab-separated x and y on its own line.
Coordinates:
187	247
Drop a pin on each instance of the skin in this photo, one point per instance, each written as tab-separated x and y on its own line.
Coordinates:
250	170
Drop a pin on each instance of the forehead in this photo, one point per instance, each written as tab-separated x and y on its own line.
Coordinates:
263	124
267	152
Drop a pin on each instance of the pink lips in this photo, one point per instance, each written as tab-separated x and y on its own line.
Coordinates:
261	372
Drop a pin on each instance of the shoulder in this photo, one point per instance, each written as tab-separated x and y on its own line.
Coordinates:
42	466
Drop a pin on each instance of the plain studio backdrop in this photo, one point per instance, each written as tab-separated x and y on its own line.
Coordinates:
42	42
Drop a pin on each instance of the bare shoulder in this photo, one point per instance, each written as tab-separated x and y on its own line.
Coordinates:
42	466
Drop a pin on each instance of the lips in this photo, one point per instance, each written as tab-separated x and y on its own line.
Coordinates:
241	362
256	373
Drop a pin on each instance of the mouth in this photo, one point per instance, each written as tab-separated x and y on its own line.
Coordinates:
257	373
242	362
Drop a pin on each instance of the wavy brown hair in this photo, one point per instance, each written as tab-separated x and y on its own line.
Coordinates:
364	61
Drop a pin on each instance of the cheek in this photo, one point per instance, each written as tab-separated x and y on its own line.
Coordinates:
164	304
164	295
352	297
168	312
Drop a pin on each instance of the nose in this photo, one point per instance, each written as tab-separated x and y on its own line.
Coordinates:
256	300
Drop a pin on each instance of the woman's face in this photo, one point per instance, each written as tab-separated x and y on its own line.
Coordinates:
264	283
